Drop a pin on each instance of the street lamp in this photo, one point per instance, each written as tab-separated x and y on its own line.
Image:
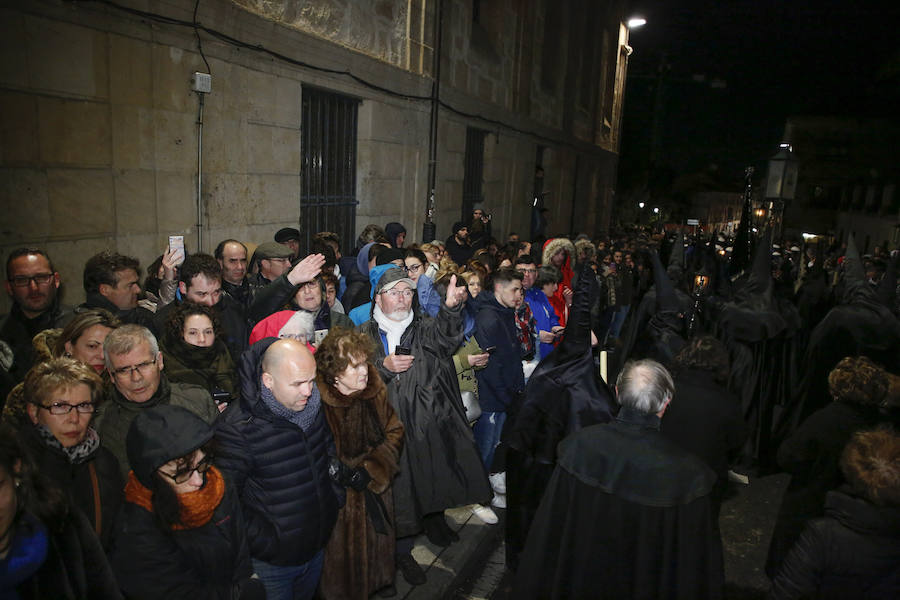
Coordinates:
781	184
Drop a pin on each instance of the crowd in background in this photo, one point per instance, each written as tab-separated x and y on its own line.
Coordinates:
271	421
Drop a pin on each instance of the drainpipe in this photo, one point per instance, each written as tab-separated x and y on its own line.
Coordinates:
429	229
200	173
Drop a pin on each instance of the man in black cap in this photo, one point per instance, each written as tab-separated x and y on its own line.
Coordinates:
290	237
457	245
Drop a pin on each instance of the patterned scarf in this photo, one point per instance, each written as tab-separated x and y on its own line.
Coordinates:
197	507
76	454
304	419
525	330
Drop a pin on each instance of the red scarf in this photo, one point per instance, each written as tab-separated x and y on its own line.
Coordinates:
196	507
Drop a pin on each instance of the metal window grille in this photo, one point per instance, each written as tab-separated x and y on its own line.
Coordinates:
474	173
328	172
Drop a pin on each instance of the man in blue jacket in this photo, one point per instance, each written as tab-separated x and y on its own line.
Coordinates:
502	380
275	445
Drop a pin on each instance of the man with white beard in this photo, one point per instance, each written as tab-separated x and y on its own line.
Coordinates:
440	467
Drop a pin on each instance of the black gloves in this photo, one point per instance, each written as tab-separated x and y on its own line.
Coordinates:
356	478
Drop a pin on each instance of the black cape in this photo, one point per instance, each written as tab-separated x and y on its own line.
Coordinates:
563	395
626	514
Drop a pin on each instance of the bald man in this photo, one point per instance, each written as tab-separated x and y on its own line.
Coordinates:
275	447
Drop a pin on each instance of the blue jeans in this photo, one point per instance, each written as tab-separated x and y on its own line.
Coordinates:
487	432
615	328
291	582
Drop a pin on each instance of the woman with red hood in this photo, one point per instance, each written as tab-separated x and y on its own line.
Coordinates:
559	252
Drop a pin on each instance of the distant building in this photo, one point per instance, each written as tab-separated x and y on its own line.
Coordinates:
847	179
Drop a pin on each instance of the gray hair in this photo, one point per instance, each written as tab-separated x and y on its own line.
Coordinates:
644	385
124	339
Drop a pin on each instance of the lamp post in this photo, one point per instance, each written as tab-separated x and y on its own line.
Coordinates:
781	185
701	283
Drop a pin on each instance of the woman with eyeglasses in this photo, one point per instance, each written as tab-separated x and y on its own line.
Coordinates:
61	397
180	533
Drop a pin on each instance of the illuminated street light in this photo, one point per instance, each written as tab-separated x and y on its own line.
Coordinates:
656	210
635	22
640	205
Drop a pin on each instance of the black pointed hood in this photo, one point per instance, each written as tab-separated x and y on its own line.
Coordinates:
743	242
676	257
577	335
665	292
887	287
856	288
759	280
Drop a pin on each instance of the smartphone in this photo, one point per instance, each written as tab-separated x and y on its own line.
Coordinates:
490	349
402	350
320	335
176	242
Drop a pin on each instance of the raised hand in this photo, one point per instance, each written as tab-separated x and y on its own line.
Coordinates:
306	269
456	294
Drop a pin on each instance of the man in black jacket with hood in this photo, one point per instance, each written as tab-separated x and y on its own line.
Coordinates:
275	445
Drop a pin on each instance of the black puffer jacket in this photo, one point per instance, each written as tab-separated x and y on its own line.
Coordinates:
854	552
279	472
204	563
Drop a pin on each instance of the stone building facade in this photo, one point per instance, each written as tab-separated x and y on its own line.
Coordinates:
319	117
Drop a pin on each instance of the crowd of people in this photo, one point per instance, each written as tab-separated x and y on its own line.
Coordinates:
276	422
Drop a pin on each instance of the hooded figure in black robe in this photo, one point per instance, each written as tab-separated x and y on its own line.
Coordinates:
758	331
564	394
677	301
860	326
627	512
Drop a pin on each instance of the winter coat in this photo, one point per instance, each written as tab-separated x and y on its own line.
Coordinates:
75	567
812	457
544	316
280	472
852	553
280	294
203	563
551	247
502	380
440	467
210	368
116	414
459	253
367	433
231	315
94	486
18	331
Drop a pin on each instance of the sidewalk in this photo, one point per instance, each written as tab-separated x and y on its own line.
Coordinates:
449	568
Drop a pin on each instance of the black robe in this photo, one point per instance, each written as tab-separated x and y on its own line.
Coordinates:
626	515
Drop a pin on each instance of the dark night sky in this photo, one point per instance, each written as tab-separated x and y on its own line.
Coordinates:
779	58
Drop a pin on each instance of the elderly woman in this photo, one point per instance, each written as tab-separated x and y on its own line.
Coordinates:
181	533
359	558
61	396
47	549
193	352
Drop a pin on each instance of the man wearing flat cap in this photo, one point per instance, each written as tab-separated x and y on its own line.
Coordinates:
439	466
290	237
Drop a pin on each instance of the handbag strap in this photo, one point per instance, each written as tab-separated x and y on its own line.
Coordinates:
98	512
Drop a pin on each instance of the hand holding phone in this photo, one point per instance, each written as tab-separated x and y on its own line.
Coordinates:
176	249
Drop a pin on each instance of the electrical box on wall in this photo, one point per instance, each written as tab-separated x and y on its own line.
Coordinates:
201	82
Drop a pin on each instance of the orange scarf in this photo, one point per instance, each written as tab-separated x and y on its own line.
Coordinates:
196	507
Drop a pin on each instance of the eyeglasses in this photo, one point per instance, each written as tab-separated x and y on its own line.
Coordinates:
64	408
23	281
183	474
397	294
527	270
142	368
311	283
412	268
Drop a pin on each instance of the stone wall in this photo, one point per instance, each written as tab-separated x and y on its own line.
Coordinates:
99	136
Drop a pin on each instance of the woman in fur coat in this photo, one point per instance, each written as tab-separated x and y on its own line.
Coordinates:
359	558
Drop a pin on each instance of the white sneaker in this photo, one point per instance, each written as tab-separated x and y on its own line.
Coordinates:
485	513
498	482
499	501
